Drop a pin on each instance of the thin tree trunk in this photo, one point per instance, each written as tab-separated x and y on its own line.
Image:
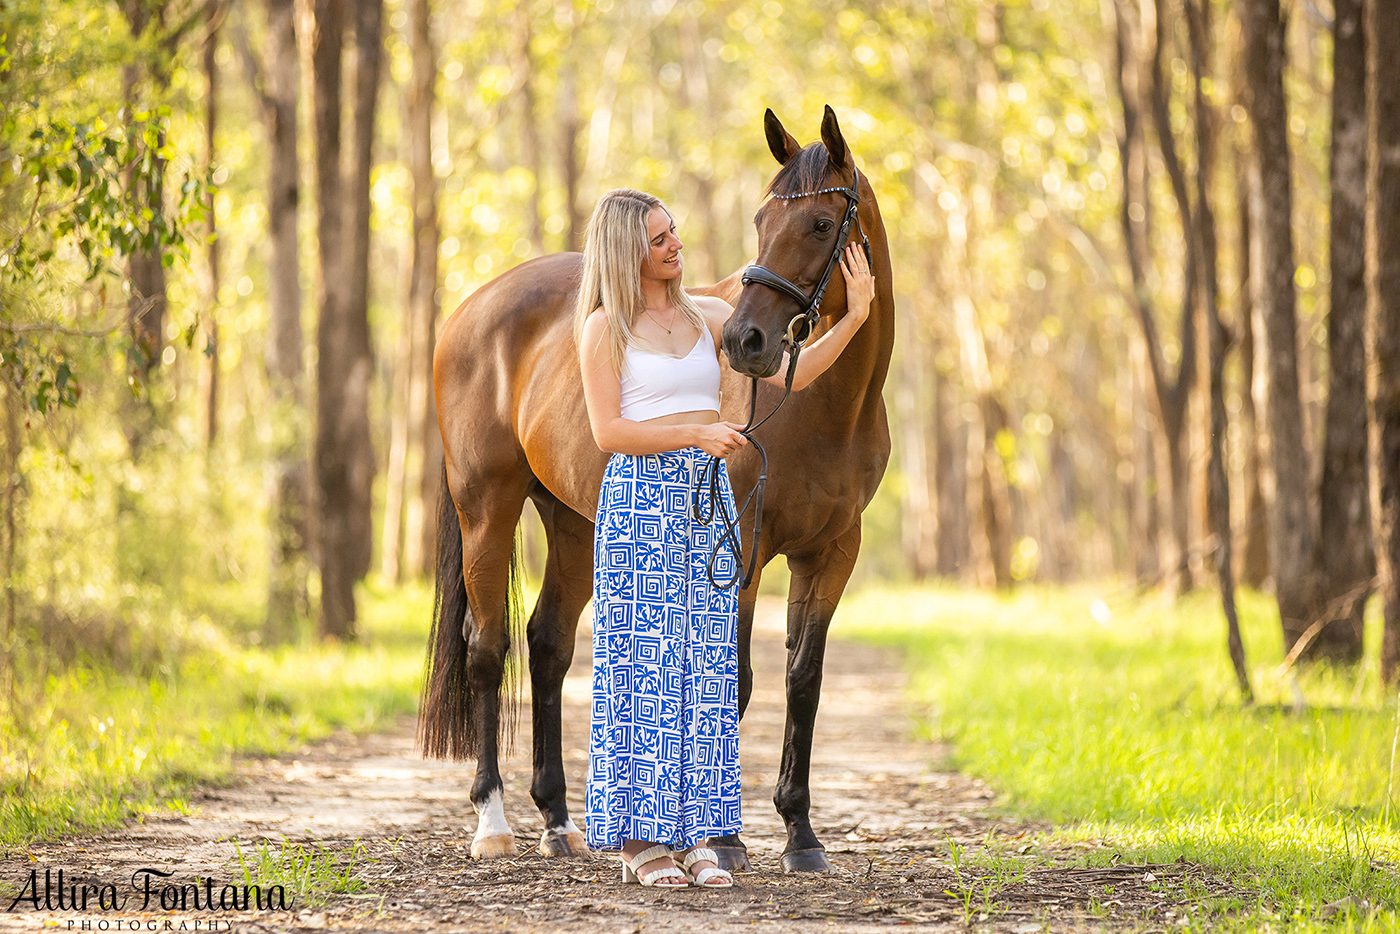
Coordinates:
918	520
148	300
697	93
288	509
950	481
1383	313
1171	392
13	486
1218	484
1345	558
1272	264
369	44
422	297
1254	565
569	126
532	150
391	532
211	117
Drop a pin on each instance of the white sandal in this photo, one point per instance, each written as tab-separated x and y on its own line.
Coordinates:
702	879
656	877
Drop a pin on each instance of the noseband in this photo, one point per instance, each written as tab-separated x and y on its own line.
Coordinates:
807	320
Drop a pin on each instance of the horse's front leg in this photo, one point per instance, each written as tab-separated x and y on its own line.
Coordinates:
553	624
732	853
817	583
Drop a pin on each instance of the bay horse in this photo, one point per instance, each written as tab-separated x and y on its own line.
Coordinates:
513	422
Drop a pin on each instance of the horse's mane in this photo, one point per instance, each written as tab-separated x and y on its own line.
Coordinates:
806	171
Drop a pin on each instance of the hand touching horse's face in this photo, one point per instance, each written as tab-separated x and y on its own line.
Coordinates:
797	237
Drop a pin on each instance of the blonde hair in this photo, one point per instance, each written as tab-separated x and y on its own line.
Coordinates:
612	270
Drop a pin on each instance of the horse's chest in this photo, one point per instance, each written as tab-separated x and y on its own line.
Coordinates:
813	502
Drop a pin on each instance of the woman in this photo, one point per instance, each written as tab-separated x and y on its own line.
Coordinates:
664	753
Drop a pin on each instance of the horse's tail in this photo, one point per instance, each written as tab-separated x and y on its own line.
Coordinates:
446	713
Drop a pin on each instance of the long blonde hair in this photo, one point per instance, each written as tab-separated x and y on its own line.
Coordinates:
612	269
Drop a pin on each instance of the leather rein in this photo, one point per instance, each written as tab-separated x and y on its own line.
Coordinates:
807	320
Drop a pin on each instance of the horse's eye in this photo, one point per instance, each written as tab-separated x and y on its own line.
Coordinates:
823	225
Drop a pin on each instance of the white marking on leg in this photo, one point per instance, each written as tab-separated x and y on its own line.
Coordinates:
565	828
491	817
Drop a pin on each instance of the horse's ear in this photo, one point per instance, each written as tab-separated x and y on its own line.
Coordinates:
833	140
780	141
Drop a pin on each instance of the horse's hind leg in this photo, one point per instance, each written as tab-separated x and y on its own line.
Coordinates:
568	580
488	538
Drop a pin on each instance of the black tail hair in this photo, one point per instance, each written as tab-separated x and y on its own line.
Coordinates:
446	714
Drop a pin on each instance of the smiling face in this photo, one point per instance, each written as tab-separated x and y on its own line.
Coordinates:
663	260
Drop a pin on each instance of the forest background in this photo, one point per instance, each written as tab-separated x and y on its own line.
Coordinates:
1138	299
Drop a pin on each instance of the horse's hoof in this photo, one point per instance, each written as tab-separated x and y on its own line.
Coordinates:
494	846
733	858
563	843
813	860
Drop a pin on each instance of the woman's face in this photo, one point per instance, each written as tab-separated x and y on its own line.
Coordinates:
663	247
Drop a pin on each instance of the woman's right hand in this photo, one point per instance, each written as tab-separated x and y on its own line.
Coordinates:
719	439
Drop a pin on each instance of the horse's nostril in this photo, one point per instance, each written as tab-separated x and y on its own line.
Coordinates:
752	343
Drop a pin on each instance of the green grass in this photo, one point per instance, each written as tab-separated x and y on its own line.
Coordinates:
91	747
1118	718
308	875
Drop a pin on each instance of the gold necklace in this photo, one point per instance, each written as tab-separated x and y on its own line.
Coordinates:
658	320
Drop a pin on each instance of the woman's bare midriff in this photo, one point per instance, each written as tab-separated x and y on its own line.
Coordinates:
702	417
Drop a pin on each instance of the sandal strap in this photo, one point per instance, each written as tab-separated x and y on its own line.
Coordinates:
699	854
670	872
703	877
641	859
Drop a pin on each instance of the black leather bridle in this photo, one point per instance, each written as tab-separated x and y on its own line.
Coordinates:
811	313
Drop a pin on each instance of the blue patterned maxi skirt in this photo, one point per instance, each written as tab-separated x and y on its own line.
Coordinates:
663	758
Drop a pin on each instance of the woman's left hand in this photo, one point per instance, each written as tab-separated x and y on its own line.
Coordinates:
860	284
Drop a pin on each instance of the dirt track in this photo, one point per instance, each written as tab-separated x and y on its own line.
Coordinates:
885	813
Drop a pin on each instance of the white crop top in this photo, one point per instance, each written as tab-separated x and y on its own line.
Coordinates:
655	384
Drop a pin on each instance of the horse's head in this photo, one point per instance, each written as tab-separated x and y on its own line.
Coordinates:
802	229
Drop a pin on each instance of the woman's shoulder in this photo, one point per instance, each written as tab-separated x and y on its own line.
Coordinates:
713	304
716	311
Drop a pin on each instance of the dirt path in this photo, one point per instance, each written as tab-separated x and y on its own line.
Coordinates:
885	813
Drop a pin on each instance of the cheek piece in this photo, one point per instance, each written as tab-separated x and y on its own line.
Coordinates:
806	320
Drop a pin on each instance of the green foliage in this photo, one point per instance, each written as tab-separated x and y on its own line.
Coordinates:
1119	715
88	187
309	874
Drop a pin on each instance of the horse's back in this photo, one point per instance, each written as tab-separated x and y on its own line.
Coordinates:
516	324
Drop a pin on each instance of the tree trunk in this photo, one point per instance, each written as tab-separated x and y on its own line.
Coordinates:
696	86
569	126
950	481
1272	267
148	300
342	377
289	494
1345	558
13	483
1217	483
1254	564
532	150
1170	392
425	460
211	119
918	519
1383	313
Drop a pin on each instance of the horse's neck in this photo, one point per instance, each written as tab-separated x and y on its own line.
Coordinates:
850	388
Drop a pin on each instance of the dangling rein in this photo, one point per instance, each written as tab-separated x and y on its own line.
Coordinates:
762	275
